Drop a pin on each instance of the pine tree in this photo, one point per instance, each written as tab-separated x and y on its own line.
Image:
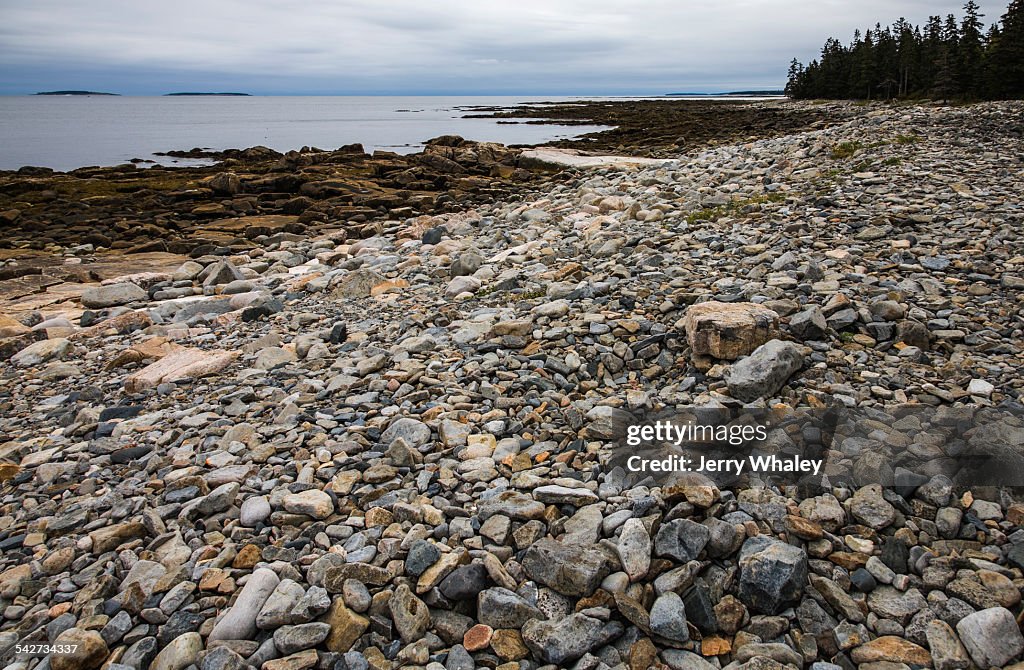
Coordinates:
1007	54
908	55
863	68
945	77
970	51
989	72
794	87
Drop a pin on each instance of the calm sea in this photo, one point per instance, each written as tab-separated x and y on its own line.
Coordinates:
67	132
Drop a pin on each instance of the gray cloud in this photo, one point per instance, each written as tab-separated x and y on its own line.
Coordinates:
341	46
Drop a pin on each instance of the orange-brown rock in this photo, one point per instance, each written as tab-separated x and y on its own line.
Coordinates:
892	649
478	637
803	528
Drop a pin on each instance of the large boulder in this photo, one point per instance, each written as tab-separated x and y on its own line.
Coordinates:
225	183
728	329
357	284
12	327
42	351
181	364
607	423
219	273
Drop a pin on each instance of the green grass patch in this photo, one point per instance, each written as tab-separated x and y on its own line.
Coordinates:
908	139
733	208
707	214
845	150
511	296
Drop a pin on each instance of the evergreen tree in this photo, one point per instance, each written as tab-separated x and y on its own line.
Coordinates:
794	87
990	74
1007	54
970	51
945	77
863	68
907	49
947	59
931	50
951	33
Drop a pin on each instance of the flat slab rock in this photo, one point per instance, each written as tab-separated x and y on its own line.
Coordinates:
112	294
575	158
181	364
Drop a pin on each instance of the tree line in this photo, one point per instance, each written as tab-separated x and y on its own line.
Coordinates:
946	60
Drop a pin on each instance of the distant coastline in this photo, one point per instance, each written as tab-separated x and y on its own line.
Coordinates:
177	94
737	93
74	93
206	94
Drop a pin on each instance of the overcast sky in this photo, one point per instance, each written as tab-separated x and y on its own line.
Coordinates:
426	46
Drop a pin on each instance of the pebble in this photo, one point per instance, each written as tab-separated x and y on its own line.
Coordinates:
314	503
88	650
179	653
254	510
668	618
634	549
681	539
239	623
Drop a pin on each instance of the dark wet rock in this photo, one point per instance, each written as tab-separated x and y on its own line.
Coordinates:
569	569
681	539
772	574
569	638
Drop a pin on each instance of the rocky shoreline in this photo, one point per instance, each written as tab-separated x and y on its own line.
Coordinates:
182	210
325	442
666	127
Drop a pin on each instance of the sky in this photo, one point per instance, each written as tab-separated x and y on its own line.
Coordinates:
425	47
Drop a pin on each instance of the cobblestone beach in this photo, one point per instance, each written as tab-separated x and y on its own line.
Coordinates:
384	444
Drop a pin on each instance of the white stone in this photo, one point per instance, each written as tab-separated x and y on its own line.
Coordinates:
980	387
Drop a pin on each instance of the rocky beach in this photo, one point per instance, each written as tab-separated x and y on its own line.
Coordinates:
343	411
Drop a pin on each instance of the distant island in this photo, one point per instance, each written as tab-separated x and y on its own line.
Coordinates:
744	93
74	93
192	93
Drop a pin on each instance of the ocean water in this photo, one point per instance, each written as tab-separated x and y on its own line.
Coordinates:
67	132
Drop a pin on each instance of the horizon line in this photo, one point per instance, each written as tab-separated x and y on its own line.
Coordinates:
240	94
